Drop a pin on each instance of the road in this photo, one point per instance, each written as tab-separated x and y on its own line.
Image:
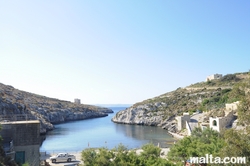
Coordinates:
197	117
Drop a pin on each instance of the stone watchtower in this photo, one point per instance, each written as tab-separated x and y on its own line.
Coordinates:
77	101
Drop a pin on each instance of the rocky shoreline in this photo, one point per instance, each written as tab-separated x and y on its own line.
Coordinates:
20	105
48	118
61	116
146	114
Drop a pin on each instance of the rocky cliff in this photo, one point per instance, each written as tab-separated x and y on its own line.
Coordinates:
150	114
17	105
203	96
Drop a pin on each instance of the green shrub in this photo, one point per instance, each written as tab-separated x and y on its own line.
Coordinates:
122	156
225	91
204	102
229	77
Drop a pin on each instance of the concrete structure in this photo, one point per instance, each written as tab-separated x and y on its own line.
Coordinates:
77	101
190	126
213	77
216	123
219	123
189	130
204	125
184	122
22	141
181	121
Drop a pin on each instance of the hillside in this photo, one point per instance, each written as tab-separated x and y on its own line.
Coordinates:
204	96
20	105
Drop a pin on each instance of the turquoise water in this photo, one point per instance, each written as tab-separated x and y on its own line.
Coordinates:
102	132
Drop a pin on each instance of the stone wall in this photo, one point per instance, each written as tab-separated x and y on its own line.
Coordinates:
32	154
189	131
219	123
26	139
26	133
181	121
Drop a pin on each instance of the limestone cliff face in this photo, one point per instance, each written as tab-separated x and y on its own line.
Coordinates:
16	104
146	114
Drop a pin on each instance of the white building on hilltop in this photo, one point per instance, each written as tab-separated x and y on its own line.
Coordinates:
213	77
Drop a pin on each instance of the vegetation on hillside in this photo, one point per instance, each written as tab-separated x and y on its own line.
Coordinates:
230	142
226	81
48	110
208	96
203	96
9	94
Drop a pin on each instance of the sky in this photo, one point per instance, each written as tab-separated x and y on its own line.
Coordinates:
120	52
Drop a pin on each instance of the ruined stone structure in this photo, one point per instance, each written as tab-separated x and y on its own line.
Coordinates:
232	106
21	141
219	123
181	121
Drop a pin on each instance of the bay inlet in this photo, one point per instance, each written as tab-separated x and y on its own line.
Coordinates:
102	132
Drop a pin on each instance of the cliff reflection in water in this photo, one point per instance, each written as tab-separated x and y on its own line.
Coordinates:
151	134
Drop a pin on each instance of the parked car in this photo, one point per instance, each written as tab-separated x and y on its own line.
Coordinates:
62	157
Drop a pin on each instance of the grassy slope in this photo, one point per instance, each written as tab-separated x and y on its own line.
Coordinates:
205	96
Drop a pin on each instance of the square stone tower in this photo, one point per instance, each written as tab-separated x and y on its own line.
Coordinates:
77	101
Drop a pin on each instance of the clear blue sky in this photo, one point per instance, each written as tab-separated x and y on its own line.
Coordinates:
117	52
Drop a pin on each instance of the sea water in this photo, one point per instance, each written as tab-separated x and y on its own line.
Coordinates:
102	132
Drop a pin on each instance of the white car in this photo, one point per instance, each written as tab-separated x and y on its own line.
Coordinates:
62	157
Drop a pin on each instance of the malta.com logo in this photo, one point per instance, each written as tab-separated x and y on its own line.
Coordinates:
209	159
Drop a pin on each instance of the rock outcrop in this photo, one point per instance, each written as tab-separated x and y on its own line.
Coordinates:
18	105
146	114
